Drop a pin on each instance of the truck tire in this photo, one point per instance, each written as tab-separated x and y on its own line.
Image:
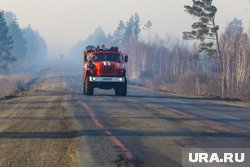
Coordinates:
121	90
84	89
89	89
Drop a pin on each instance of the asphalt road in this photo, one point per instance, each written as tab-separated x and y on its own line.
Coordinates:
51	123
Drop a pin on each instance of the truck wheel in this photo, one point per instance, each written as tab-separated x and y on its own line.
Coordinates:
124	88
117	91
121	90
84	88
89	89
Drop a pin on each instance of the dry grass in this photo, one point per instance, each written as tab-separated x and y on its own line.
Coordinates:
10	83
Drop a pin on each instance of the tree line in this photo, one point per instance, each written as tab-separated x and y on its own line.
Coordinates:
20	48
211	64
230	50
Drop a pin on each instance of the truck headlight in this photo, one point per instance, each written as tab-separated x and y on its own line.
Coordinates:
121	79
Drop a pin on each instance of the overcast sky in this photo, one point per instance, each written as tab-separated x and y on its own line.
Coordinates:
64	22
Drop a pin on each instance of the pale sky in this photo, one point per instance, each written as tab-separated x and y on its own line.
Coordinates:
64	22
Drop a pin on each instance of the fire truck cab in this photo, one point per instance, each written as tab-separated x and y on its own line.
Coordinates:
104	69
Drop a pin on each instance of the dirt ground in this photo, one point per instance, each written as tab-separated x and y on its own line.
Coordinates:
34	131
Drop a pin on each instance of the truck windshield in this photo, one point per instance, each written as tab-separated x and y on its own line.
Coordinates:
107	57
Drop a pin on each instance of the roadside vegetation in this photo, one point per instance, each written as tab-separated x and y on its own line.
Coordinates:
213	62
12	82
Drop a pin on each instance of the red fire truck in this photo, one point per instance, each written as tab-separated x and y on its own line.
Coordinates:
104	69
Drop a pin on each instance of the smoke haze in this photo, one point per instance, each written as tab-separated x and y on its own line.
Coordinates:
63	23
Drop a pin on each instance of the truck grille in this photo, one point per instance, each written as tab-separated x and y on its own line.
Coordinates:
107	70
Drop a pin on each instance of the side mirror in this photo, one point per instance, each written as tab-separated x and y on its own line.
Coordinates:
85	58
126	58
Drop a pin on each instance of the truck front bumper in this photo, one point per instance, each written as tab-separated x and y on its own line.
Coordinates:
107	79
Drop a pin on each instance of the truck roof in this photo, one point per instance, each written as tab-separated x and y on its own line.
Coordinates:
104	51
94	50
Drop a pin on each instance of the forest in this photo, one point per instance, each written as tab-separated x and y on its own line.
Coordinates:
190	65
22	51
206	61
20	48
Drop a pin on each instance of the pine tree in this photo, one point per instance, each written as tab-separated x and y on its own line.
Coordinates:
36	46
32	43
136	26
206	30
119	32
5	44
147	27
128	34
132	28
19	43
